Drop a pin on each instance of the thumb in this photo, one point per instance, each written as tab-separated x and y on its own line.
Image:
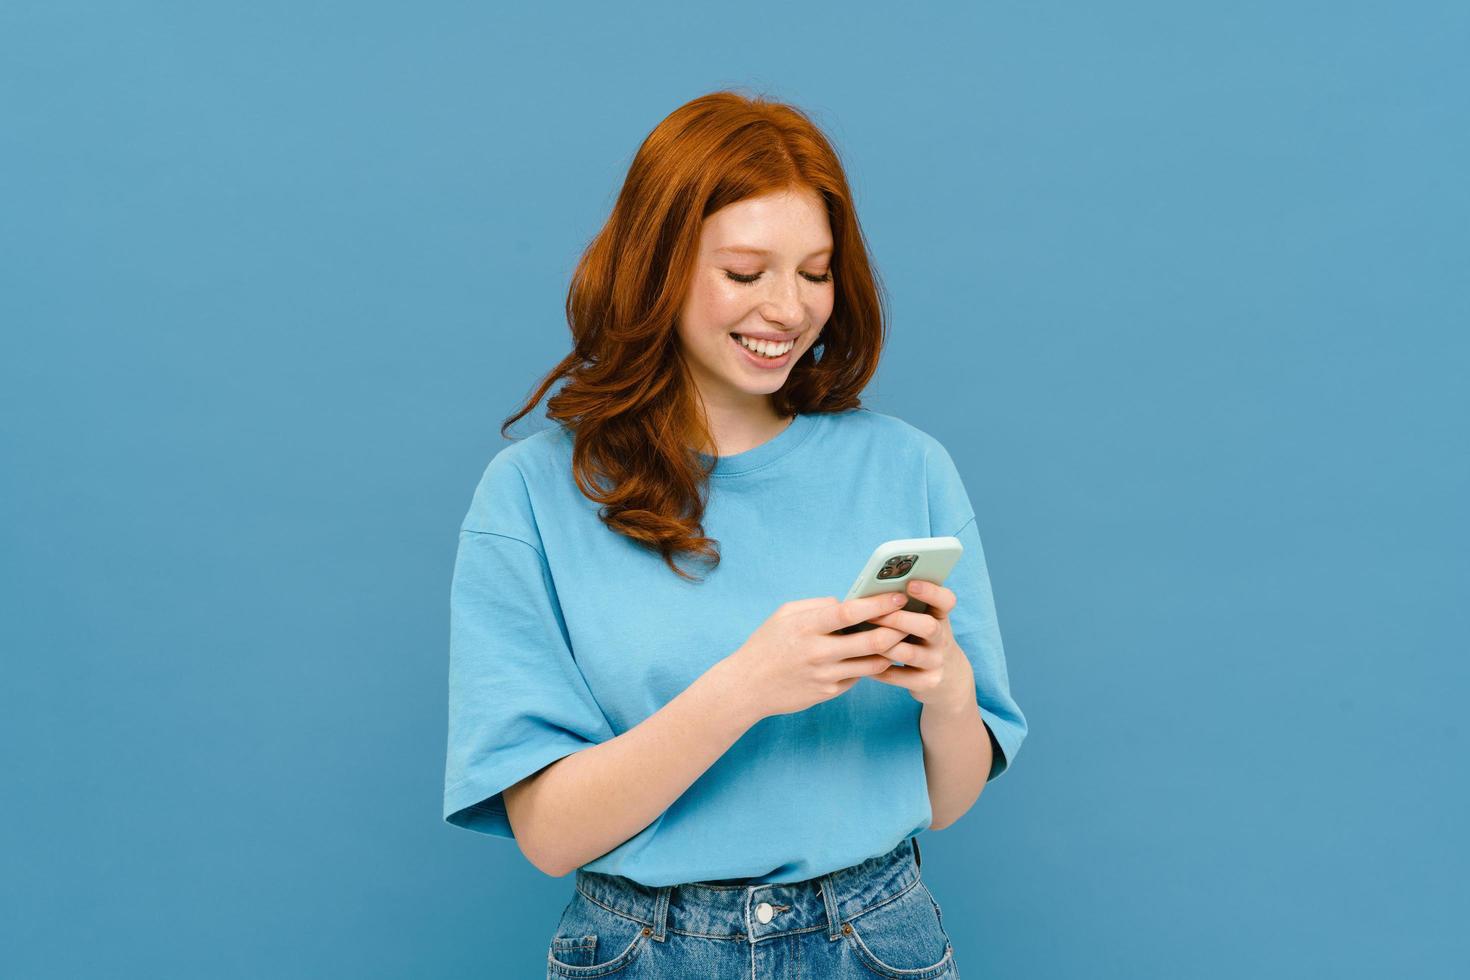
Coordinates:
816	602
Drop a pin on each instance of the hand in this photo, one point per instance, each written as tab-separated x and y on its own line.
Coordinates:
937	670
793	661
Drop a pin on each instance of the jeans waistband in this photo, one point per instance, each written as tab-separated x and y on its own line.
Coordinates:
737	911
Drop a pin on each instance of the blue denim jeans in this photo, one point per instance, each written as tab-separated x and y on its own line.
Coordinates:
875	918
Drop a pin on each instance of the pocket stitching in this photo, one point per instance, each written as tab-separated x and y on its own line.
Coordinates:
618	962
871	960
575	942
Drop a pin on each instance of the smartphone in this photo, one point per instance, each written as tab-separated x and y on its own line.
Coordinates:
894	564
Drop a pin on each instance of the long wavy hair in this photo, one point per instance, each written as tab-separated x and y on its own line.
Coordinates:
629	398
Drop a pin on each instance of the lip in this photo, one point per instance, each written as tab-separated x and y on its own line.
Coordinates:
774	338
769	363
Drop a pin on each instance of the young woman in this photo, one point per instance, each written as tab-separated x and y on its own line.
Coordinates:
698	748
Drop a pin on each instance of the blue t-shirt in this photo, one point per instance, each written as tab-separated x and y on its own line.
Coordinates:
564	634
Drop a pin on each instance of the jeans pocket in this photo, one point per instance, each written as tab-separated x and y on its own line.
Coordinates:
593	941
938	912
575	950
903	937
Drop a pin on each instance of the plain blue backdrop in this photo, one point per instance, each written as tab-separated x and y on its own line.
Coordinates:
1181	287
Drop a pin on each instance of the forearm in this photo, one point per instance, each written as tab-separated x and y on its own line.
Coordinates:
957	758
591	801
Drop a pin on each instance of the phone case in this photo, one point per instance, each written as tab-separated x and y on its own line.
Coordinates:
894	564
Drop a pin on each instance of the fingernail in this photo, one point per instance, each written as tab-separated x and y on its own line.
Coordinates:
898	597
916	586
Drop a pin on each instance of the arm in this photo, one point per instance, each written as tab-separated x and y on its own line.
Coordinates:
957	756
963	752
587	803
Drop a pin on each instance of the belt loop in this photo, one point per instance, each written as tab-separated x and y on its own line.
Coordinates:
661	911
918	863
829	897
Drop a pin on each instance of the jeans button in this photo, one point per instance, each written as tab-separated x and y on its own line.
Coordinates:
763	911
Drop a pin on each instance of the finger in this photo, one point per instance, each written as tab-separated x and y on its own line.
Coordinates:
917	624
905	677
871	666
800	605
939	599
915	651
914	655
855	611
874	642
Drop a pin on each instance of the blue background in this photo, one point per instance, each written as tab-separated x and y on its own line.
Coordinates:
1182	288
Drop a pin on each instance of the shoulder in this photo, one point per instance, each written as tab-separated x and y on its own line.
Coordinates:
502	500
531	455
889	432
905	446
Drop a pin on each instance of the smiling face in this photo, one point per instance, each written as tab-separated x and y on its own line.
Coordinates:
780	292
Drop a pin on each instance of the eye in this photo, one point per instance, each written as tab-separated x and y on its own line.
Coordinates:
747	280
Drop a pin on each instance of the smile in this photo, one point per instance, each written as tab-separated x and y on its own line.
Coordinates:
766	348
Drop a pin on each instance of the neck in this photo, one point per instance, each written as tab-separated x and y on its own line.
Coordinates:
736	429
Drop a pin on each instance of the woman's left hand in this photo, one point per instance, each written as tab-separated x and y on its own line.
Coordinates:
936	670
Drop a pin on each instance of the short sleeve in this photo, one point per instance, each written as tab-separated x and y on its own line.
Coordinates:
517	699
973	621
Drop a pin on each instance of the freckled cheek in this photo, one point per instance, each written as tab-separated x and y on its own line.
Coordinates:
725	308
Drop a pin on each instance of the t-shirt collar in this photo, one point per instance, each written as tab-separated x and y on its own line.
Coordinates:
769	451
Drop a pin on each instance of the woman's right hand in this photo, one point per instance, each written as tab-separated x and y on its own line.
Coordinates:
792	661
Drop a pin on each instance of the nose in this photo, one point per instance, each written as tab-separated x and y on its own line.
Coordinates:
783	304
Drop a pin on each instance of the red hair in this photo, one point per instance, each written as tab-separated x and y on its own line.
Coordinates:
629	398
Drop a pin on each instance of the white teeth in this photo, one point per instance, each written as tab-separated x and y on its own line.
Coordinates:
765	347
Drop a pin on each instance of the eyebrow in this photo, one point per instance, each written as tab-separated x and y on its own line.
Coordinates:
761	251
